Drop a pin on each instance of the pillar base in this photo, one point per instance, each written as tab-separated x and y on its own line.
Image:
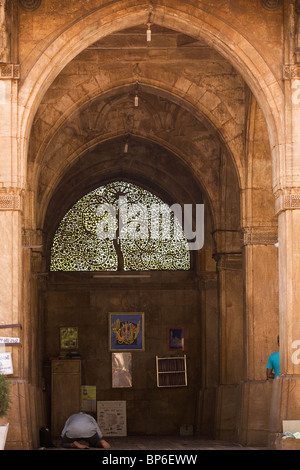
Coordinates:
25	417
284	444
285	405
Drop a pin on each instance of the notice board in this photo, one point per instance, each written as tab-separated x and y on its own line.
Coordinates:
111	418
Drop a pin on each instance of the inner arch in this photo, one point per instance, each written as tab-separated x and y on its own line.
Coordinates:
120	226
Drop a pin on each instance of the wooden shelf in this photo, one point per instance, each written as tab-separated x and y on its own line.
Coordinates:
171	371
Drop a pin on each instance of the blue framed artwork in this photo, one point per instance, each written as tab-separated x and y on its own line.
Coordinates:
126	331
176	339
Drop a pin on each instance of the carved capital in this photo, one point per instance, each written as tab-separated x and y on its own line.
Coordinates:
271	5
32	239
260	235
10	200
291	71
287	200
228	261
9	71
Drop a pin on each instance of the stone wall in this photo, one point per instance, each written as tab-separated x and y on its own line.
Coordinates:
219	94
167	300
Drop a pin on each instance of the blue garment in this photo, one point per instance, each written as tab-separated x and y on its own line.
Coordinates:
274	363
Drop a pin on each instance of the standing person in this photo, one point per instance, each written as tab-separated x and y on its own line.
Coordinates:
82	427
273	364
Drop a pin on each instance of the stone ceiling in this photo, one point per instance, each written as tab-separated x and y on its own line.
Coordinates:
189	122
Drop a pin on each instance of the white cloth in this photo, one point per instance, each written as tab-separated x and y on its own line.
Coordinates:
81	425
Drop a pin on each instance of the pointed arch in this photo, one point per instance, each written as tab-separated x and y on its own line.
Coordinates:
195	21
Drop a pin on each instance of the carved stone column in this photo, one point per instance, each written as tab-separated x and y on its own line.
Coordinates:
10	186
231	348
10	208
11	312
229	267
209	340
261	298
297	30
4	49
288	207
11	273
260	266
286	388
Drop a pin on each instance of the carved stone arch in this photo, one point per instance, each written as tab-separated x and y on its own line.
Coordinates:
43	157
197	23
115	95
66	177
170	186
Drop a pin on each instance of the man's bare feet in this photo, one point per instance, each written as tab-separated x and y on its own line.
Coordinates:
105	444
77	445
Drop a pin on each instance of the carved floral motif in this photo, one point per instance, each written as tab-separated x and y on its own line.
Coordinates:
271	4
30	5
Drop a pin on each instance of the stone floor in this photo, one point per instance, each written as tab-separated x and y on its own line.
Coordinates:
172	443
168	443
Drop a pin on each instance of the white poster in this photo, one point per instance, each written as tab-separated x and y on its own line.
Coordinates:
9	340
111	418
6	366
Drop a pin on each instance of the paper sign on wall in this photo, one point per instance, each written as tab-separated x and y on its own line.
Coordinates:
9	340
88	398
111	417
6	366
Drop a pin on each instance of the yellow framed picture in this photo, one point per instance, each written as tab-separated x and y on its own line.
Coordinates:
68	337
126	331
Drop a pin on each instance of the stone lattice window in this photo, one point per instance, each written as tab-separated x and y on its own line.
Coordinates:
120	226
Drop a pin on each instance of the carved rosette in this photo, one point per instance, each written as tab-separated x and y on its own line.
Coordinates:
287	200
271	5
30	5
9	71
291	72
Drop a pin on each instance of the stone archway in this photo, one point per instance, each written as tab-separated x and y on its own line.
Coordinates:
41	74
198	23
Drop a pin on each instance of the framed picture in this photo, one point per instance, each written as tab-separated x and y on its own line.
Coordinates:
121	370
176	338
126	331
68	337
